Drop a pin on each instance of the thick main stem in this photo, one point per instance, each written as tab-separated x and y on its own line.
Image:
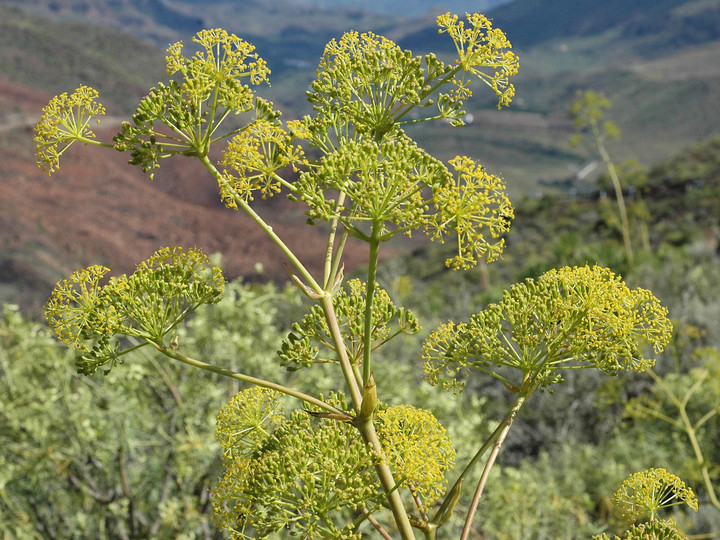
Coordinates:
366	426
369	297
402	520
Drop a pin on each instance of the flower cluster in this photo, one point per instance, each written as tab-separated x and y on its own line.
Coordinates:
480	46
653	530
253	157
216	70
418	449
246	422
398	185
148	304
383	183
475	201
64	120
192	109
572	317
300	348
301	474
644	494
366	78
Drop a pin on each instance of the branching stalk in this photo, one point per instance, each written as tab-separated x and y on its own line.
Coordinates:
618	195
268	230
690	431
247	378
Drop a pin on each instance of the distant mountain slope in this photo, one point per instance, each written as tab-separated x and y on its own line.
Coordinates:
403	8
60	56
286	35
652	27
646	28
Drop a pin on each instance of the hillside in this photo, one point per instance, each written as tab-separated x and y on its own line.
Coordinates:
665	90
656	61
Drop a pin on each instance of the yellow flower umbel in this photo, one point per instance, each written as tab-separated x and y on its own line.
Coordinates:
418	449
246	422
307	476
567	318
148	304
644	494
473	203
481	47
65	119
184	116
253	158
216	70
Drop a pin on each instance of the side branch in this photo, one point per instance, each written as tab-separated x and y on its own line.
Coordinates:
248	379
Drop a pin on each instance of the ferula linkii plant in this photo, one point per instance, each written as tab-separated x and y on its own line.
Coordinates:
342	463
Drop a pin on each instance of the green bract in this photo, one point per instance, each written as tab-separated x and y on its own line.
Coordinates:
567	318
148	304
300	349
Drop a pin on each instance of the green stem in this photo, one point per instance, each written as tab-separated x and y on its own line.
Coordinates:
331	263
402	520
267	228
428	92
507	423
369	296
687	426
248	379
618	192
94	142
345	365
471	465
